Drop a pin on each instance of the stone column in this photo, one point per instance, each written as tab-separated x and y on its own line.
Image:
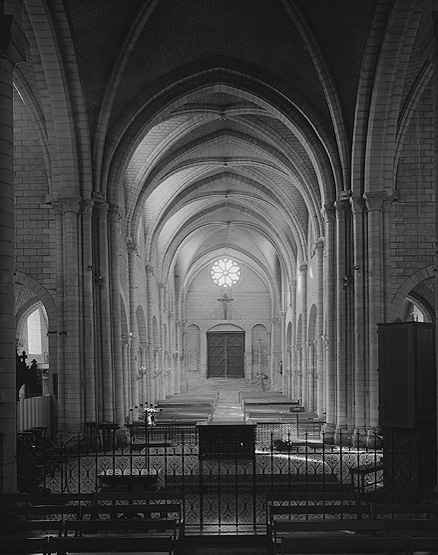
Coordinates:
434	58
302	277
293	393
88	287
73	377
319	327
330	331
150	383
134	334
374	204
115	240
103	284
60	338
127	390
283	360
12	46
360	352
341	318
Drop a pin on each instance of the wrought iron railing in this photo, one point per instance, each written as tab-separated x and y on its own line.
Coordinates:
224	490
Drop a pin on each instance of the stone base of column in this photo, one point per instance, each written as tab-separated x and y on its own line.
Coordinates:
359	437
328	434
343	436
374	440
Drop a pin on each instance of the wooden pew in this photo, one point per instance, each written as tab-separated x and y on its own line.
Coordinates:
145	528
47	498
423	544
112	543
412	527
13	544
346	543
307	507
169	509
313	498
289	528
31	528
45	512
400	510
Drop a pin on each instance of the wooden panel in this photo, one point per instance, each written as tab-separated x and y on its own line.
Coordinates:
406	374
396	378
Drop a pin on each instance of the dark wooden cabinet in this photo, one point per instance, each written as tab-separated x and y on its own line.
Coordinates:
224	441
407	374
407	405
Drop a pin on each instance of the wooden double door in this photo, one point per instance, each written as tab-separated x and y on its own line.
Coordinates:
226	352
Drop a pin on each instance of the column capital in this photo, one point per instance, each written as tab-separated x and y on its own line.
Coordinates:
374	200
319	245
87	206
150	270
302	268
115	214
328	212
102	210
131	245
72	204
341	208
357	204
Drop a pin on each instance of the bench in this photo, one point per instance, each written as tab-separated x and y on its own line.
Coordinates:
47	498
289	528
399	510
45	512
20	544
346	543
111	543
170	513
308	507
136	527
31	528
131	497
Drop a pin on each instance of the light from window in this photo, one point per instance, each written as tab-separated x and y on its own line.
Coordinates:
225	272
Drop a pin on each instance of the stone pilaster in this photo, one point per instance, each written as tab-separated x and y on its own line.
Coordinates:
134	334
73	375
293	393
88	314
12	47
342	285
319	327
60	339
374	204
360	352
302	277
150	279
434	57
330	332
106	394
120	410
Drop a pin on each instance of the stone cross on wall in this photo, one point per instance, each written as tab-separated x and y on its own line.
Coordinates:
225	299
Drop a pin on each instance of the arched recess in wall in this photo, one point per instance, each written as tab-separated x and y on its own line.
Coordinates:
260	352
30	295
416	296
193	348
312	358
31	331
419	303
